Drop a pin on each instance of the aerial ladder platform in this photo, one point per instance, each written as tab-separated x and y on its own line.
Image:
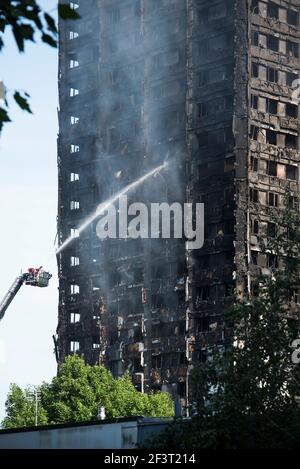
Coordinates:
33	277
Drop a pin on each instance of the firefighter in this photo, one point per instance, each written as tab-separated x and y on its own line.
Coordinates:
31	272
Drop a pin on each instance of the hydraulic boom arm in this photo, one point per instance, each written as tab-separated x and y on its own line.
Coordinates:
11	294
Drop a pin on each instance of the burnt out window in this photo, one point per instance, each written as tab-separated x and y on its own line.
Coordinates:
203	139
290	78
157	301
272	106
254	101
255	6
181	389
216	137
255	38
200	356
228	194
203	15
254	70
203	109
219	74
292	17
271	137
229	227
273	199
210	233
272	75
182	358
228	102
228	289
291	110
295	295
293	202
229	138
254	164
292	49
273	43
156	362
113	336
271	230
202	78
272	168
291	172
254	131
254	195
254	257
291	141
202	325
156	330
255	226
229	164
203	293
273	10
272	261
138	334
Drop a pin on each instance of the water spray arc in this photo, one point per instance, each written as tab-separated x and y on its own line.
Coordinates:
105	205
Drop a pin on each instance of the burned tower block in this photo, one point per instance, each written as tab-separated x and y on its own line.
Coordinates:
211	87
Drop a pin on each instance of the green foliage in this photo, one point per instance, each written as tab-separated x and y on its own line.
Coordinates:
22	101
4	117
25	19
246	395
76	394
20	408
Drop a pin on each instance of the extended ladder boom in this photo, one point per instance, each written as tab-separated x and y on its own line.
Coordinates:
11	294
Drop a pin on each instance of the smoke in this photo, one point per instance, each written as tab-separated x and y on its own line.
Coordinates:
105	205
132	83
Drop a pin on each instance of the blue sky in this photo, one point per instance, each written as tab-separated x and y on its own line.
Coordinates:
28	203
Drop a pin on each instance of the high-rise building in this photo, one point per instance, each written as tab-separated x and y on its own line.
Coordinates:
211	88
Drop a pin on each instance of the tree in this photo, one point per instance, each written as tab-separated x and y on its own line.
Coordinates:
25	18
20	408
76	394
247	394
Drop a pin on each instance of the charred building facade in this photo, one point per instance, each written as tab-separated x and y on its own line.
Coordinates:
209	86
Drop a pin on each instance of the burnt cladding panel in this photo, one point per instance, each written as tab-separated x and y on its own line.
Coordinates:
211	164
78	145
273	158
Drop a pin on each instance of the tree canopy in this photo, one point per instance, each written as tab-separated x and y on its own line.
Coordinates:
26	19
76	394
